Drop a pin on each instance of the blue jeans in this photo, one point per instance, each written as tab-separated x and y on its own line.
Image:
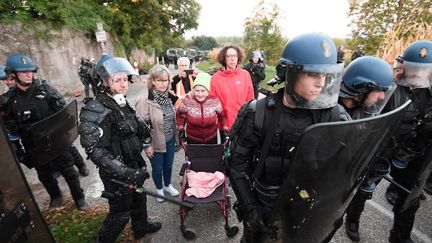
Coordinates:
162	165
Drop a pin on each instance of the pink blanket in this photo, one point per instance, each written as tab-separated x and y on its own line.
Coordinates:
203	184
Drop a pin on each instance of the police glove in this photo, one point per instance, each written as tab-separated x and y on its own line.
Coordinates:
140	176
254	220
136	176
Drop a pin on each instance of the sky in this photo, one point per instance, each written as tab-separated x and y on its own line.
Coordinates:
226	17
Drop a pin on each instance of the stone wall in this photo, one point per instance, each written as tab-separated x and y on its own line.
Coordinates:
57	53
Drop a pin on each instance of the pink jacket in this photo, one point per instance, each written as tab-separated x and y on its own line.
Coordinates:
233	88
203	184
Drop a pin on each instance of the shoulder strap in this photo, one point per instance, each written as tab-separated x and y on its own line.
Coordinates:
272	116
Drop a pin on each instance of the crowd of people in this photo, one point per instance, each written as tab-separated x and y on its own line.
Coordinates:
196	108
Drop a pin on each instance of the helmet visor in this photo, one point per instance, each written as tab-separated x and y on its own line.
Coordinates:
416	75
115	65
322	94
376	101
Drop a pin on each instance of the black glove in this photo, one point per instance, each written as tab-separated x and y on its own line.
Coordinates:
137	176
254	220
182	135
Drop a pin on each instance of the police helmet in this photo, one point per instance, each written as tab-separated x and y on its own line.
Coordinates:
311	53
108	66
256	54
3	73
365	74
21	63
416	63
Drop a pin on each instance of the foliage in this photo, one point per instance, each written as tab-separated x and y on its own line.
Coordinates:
393	45
70	225
137	23
206	65
371	20
204	42
224	40
263	33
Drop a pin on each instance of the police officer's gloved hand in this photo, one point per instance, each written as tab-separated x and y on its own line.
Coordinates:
140	176
254	220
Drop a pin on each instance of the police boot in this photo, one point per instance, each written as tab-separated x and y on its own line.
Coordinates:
395	237
352	230
391	194
83	170
56	201
81	204
148	229
428	186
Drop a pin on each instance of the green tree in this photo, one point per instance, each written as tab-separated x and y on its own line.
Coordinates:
371	20
263	33
204	42
149	24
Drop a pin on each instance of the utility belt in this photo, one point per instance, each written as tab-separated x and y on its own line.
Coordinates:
267	194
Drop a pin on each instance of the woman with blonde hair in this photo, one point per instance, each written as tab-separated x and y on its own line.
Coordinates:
158	109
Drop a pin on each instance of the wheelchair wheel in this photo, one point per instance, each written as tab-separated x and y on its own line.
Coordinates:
188	234
231	231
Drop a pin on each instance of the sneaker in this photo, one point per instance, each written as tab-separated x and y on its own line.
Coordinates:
171	190
160	192
148	229
84	171
56	202
81	204
352	230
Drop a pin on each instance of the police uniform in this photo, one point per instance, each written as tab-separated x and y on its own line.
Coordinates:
410	146
113	137
32	105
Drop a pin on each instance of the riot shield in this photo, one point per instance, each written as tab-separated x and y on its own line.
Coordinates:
330	162
422	176
20	220
52	135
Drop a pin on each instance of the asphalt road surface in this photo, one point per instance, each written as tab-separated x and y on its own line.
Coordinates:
207	221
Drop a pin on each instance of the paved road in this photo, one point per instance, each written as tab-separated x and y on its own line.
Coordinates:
208	222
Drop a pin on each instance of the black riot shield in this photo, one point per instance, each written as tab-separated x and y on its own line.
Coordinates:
51	136
330	162
20	218
423	174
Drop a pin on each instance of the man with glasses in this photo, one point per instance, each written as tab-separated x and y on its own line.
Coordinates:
182	82
232	85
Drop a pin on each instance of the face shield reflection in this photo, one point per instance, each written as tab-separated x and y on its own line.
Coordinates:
320	88
376	100
415	75
116	65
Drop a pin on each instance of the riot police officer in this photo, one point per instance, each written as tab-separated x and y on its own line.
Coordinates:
33	100
408	149
266	131
367	84
359	52
84	74
256	69
113	137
